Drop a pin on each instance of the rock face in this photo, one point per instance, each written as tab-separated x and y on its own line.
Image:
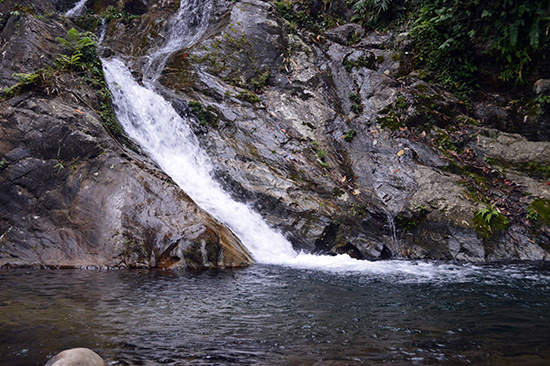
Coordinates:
71	196
76	357
328	136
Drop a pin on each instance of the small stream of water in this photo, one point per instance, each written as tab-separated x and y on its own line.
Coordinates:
77	9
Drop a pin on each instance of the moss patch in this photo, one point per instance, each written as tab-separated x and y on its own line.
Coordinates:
540	210
488	222
248	97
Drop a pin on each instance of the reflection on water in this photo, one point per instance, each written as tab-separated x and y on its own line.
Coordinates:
267	315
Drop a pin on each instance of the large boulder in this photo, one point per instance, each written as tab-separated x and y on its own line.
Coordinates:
71	196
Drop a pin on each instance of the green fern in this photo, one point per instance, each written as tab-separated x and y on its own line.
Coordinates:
488	213
76	41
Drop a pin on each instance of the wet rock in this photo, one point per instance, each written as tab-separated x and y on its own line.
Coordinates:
346	34
298	137
287	155
72	197
542	87
27	44
493	115
513	149
76	356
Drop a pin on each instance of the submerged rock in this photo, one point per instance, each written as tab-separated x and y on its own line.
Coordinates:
76	357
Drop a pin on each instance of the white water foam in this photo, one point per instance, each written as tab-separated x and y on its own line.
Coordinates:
77	10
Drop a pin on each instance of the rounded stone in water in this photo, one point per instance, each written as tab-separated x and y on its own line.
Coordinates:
76	357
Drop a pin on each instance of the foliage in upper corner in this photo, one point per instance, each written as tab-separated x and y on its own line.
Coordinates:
379	13
511	34
460	39
518	31
444	43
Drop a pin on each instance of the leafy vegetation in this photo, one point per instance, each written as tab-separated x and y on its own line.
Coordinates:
308	14
248	97
489	221
83	58
518	30
454	37
444	44
378	13
350	134
3	165
321	154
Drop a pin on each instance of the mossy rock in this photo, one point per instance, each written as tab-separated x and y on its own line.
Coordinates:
542	209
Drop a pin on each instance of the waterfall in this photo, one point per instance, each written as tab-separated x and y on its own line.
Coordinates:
76	10
166	137
152	122
391	226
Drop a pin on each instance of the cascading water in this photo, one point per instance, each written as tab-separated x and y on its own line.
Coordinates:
151	121
154	124
184	29
76	10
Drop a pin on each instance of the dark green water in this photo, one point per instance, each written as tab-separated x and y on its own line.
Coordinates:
432	314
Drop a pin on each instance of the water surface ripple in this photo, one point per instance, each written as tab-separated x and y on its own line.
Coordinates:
268	315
